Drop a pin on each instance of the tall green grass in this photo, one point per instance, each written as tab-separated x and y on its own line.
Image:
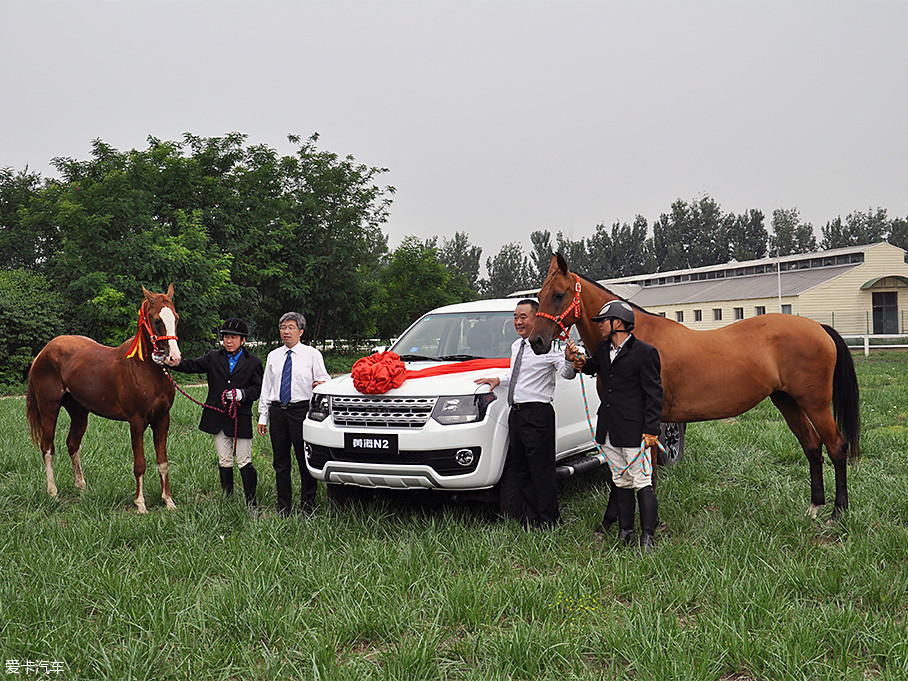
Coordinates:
743	585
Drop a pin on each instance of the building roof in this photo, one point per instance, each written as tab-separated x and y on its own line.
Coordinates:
732	288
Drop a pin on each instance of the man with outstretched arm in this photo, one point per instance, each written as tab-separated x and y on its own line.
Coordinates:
531	421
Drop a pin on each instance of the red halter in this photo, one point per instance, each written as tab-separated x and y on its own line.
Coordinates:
574	304
136	347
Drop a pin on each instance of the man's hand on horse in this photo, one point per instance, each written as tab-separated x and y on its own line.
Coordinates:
650	440
490	381
263	429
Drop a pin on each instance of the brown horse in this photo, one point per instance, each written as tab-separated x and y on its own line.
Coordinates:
123	384
801	365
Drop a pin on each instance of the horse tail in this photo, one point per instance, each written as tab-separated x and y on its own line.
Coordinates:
31	409
845	397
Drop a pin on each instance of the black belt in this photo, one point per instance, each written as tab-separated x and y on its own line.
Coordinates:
304	404
517	406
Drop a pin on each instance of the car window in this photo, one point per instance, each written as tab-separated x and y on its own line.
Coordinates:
456	336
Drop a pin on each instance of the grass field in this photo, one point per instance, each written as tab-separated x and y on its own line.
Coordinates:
743	585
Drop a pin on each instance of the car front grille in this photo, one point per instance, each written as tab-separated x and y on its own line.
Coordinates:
382	412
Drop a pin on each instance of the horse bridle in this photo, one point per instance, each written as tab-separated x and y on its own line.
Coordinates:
144	323
574	304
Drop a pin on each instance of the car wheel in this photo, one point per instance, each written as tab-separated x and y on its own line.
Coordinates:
672	438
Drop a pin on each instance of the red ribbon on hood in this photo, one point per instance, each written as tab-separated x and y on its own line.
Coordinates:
382	371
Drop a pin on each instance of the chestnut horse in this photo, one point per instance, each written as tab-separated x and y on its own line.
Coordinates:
123	384
801	365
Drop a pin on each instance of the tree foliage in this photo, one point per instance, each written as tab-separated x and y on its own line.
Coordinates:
31	313
412	282
509	271
239	229
461	257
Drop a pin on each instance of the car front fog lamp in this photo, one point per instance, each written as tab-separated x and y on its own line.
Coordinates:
453	409
319	407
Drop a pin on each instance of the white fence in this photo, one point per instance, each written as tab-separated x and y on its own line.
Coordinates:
877	342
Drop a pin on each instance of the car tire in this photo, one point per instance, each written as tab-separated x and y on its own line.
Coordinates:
672	438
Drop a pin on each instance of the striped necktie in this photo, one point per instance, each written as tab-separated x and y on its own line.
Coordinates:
286	376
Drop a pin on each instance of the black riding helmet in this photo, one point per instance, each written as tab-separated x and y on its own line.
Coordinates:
236	326
616	309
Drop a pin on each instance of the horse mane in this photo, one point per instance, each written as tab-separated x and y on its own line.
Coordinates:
595	283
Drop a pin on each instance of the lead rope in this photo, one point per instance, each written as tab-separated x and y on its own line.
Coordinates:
647	466
231	407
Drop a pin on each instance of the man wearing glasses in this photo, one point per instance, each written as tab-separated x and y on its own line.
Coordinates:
291	372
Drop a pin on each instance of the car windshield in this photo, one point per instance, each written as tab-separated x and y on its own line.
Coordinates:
458	336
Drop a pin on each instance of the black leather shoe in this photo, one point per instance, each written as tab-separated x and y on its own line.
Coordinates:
647	544
627	537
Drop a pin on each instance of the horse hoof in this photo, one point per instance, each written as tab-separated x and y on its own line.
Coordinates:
813	510
52	491
170	505
140	508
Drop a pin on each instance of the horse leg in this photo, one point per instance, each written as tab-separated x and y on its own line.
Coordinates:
837	447
809	440
50	410
137	432
78	422
159	430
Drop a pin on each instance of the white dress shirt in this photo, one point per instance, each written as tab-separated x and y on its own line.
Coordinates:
308	367
536	379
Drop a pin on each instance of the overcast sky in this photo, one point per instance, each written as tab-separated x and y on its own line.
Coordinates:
493	118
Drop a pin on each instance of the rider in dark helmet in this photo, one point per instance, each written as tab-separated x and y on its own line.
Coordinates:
630	392
234	375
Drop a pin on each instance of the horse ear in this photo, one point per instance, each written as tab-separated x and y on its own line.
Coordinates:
149	296
170	291
562	263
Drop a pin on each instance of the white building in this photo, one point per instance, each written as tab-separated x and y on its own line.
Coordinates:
857	290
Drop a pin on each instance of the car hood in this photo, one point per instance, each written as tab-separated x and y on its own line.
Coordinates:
458	383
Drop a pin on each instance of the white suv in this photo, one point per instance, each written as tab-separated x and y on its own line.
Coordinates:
442	432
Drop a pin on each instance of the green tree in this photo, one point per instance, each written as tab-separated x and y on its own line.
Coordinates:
747	236
898	232
574	251
540	255
24	241
31	313
116	235
411	283
623	251
461	257
509	271
790	236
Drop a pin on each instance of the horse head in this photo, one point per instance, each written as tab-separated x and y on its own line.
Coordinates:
559	306
161	317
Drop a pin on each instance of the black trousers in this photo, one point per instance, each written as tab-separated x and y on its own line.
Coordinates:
532	453
287	431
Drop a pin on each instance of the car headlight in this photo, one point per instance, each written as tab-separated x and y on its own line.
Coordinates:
319	407
453	409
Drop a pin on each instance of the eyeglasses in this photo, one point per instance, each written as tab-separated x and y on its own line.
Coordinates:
289	327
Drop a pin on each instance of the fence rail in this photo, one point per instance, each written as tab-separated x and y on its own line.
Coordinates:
877	342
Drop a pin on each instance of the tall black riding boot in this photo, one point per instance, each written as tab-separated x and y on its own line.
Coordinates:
611	511
649	517
627	508
250	482
226	480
